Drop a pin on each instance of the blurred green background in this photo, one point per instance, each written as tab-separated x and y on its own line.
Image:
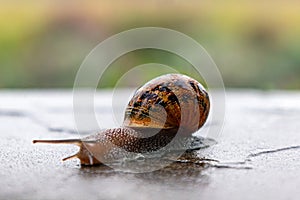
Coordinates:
254	44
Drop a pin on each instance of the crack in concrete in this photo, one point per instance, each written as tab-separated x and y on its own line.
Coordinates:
12	113
241	164
252	155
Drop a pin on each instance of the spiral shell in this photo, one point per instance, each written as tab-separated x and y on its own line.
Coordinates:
167	102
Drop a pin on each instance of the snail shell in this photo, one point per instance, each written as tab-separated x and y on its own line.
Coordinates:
167	105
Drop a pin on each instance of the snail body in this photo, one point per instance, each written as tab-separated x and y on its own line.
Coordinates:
167	106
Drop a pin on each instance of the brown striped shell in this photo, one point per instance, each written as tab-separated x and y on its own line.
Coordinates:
174	100
164	107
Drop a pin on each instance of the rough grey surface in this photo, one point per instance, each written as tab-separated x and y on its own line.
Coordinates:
258	153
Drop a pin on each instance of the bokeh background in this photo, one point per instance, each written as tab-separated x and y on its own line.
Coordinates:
254	44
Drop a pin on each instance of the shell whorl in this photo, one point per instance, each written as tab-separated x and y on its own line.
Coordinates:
169	102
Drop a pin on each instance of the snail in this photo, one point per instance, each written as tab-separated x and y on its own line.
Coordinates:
169	105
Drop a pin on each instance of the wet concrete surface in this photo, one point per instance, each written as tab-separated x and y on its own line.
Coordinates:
256	157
